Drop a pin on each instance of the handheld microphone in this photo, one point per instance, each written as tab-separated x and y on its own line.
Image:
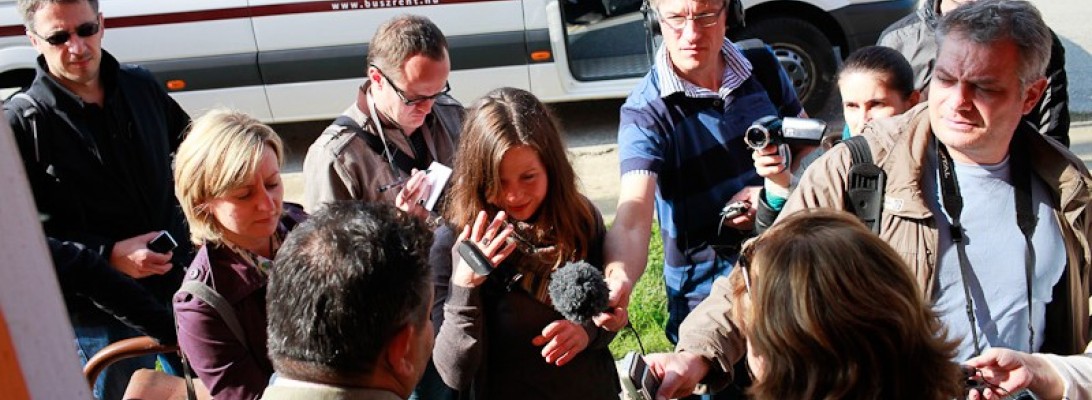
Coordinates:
579	291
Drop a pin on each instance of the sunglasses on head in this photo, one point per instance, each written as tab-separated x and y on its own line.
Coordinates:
86	29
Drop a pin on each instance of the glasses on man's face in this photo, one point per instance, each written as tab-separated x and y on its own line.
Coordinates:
86	29
705	20
402	94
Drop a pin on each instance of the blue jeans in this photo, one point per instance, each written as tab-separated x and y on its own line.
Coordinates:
92	337
687	286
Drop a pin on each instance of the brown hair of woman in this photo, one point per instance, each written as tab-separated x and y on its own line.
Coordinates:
508	118
834	313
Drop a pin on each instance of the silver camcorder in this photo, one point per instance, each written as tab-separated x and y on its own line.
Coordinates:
773	130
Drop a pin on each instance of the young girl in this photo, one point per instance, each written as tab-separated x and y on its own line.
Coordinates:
227	179
500	334
875	82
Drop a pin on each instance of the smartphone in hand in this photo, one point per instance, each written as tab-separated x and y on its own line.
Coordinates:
163	243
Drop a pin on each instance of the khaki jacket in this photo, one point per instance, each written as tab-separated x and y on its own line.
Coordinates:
899	146
340	165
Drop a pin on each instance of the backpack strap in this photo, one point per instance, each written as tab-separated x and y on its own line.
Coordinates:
866	184
766	69
30	112
401	160
202	291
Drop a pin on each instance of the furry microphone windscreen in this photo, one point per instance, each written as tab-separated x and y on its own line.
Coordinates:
578	291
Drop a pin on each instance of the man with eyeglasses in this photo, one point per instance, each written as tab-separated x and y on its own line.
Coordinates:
381	147
682	153
96	139
402	121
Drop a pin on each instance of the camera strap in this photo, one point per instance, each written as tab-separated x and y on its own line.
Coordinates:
1025	220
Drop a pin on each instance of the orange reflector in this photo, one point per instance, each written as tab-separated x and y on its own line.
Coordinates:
176	84
541	55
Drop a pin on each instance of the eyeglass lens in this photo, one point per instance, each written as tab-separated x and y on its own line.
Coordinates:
402	94
86	29
702	20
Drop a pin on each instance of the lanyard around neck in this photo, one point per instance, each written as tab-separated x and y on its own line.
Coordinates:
382	136
1025	219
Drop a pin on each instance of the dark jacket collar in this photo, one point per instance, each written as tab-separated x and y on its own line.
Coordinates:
51	93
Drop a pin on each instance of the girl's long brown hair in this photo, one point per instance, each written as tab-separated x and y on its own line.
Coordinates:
507	118
835	314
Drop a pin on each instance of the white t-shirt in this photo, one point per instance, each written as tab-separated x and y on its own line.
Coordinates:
996	250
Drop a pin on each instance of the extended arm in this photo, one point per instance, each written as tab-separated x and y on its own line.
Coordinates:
626	246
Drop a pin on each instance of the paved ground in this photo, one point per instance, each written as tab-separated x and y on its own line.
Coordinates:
597	167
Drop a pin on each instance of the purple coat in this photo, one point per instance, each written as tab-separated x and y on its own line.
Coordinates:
229	369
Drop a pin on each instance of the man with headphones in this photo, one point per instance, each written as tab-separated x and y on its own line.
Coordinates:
682	153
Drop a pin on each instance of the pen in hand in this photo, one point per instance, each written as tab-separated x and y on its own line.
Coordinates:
397	183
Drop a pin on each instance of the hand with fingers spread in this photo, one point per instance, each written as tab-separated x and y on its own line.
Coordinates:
491	239
132	257
414	192
562	341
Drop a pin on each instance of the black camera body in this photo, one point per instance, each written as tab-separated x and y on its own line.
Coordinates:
771	130
163	243
638	382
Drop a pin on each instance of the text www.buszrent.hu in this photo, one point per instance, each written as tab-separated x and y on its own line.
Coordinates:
355	5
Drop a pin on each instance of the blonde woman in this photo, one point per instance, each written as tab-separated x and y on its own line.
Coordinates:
227	179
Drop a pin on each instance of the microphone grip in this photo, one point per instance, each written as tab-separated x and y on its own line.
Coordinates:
474	257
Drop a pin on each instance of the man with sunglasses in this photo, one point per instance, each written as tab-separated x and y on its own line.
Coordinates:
682	153
96	138
401	122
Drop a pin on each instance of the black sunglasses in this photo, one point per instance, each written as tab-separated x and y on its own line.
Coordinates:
86	29
402	94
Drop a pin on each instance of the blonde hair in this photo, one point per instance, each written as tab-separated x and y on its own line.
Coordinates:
221	152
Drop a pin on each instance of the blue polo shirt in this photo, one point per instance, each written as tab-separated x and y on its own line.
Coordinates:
691	139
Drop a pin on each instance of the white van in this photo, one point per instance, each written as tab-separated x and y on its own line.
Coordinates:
299	60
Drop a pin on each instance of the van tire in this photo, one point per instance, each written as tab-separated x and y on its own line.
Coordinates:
805	53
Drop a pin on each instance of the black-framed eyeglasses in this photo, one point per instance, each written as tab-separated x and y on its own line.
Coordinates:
402	93
704	20
86	29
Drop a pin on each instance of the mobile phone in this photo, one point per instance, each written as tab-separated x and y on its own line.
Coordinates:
163	243
735	209
638	382
474	257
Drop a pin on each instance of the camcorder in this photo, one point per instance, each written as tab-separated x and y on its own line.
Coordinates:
771	130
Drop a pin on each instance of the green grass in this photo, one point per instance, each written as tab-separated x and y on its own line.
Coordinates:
647	306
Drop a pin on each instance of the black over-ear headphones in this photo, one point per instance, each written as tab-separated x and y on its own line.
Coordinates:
733	16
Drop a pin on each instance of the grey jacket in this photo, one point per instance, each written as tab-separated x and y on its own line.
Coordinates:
915	37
